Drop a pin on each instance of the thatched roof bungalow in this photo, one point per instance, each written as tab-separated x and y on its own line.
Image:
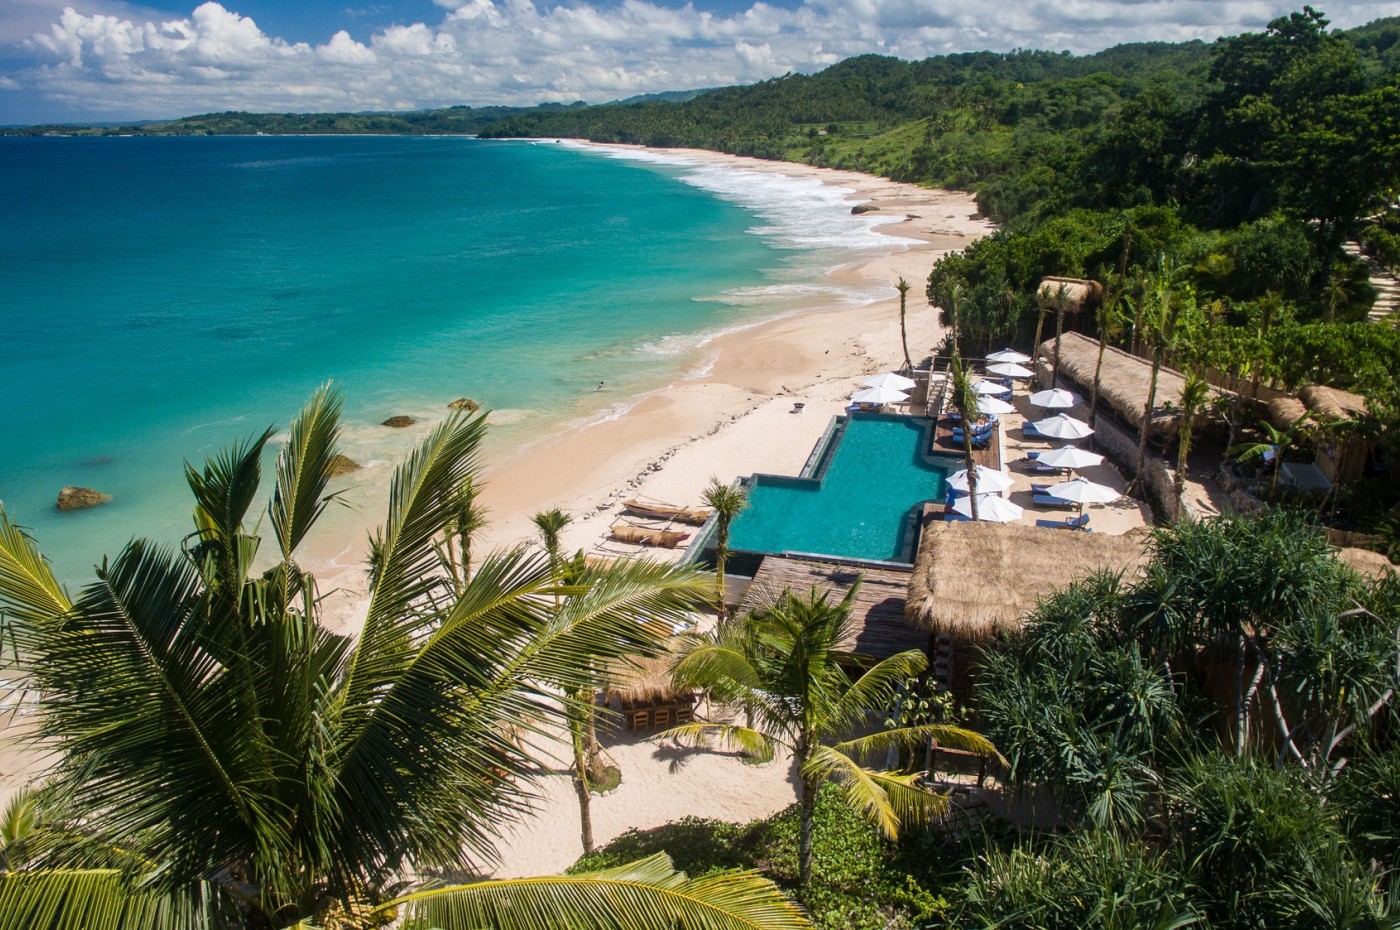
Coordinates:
1340	457
1077	293
1123	382
973	581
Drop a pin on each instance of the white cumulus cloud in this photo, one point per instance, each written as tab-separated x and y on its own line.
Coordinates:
116	62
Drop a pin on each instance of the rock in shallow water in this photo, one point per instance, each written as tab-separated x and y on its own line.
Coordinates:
76	498
464	403
342	465
399	422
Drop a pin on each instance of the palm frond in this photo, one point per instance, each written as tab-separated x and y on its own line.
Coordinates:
644	895
88	899
421	507
224	490
746	740
304	467
886	799
917	737
874	690
135	690
29	592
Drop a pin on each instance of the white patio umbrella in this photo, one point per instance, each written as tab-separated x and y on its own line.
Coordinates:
1063	426
989	480
879	395
1082	491
1069	457
1009	355
989	404
1009	370
989	387
1055	398
990	508
890	380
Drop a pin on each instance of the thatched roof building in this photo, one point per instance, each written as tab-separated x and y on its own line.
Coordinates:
973	580
1339	458
1077	293
878	627
1326	404
1123	382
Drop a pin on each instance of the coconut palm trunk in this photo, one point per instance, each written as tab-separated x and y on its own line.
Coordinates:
1193	396
903	287
965	400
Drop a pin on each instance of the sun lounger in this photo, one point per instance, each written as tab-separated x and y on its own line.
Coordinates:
1080	522
1028	431
1045	500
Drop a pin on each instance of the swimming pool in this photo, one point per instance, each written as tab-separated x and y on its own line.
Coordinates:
861	497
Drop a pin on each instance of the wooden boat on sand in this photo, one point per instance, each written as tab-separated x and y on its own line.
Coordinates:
692	516
641	536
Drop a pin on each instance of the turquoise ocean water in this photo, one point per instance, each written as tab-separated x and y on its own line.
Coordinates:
164	297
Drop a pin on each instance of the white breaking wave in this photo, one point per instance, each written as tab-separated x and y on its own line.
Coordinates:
798	213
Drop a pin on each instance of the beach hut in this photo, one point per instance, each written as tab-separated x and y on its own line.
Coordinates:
1063	297
974	581
1342	447
1124	383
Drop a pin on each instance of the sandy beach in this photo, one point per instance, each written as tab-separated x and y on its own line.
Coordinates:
733	415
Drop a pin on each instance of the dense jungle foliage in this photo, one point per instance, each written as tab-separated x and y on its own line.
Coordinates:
1211	745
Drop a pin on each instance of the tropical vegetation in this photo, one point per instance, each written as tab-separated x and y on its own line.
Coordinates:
224	760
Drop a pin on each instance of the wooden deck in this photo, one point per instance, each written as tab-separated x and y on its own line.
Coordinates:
943	443
878	628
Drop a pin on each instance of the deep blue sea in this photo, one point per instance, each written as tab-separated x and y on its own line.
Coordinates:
165	297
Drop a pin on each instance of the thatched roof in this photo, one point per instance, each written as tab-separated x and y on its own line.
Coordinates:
1333	404
974	580
642	680
1124	381
1285	410
878	628
1367	562
1326	404
1078	293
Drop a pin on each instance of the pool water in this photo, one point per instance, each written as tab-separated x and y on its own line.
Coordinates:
860	500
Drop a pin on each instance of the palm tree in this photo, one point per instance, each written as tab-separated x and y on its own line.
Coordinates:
903	287
954	300
786	660
466	518
581	710
1061	304
964	400
1111	321
231	758
728	502
1163	304
1194	394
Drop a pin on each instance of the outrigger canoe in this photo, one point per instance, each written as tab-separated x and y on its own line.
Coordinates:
693	516
641	536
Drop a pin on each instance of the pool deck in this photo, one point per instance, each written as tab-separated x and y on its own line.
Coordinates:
943	443
878	628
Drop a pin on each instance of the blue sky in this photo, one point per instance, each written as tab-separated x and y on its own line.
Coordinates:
108	60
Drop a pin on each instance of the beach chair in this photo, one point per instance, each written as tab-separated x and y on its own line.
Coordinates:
1045	500
1080	522
1028	431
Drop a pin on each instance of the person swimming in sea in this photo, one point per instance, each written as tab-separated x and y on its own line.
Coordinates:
599	387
